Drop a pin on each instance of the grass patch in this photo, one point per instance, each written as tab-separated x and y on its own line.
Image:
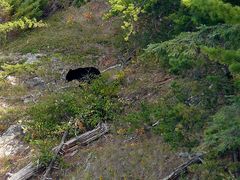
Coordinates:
68	32
144	158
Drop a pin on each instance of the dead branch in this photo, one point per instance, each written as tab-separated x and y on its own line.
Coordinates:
31	169
55	157
86	138
112	67
26	172
183	168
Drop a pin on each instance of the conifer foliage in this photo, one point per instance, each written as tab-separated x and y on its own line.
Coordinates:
12	20
205	59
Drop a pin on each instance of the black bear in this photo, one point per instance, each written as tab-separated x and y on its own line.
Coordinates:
82	74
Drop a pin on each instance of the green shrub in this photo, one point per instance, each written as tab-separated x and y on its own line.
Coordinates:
188	51
184	111
78	3
99	102
222	134
235	68
91	104
180	115
214	10
45	155
28	8
221	143
177	123
18	69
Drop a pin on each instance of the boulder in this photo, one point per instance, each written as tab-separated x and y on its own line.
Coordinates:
10	143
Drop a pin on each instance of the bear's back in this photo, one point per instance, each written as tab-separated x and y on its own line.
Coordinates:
82	73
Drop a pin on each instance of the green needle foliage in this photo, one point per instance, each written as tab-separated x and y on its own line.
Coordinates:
214	10
14	21
223	133
205	61
28	8
188	50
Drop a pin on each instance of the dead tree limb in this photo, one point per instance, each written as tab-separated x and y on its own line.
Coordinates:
26	172
84	139
183	168
31	169
112	67
55	157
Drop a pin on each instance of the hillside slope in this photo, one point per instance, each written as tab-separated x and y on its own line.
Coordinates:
76	38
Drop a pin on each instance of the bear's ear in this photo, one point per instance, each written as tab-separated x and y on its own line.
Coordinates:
70	70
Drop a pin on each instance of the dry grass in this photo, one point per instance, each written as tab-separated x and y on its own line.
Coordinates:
77	34
119	157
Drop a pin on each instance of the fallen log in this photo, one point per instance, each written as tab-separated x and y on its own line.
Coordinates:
26	172
183	168
31	169
85	138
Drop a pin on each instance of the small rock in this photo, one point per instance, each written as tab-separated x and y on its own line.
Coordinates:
14	130
32	58
184	155
12	80
27	99
3	104
55	59
129	80
31	97
36	82
199	154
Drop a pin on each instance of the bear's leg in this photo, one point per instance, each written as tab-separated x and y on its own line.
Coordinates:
81	87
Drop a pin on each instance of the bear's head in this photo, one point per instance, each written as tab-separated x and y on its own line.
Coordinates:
69	76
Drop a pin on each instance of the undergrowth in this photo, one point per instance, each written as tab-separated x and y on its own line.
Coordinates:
75	110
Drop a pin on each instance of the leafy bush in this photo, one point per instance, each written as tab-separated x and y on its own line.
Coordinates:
177	123
8	23
9	69
179	116
99	102
129	12
23	23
